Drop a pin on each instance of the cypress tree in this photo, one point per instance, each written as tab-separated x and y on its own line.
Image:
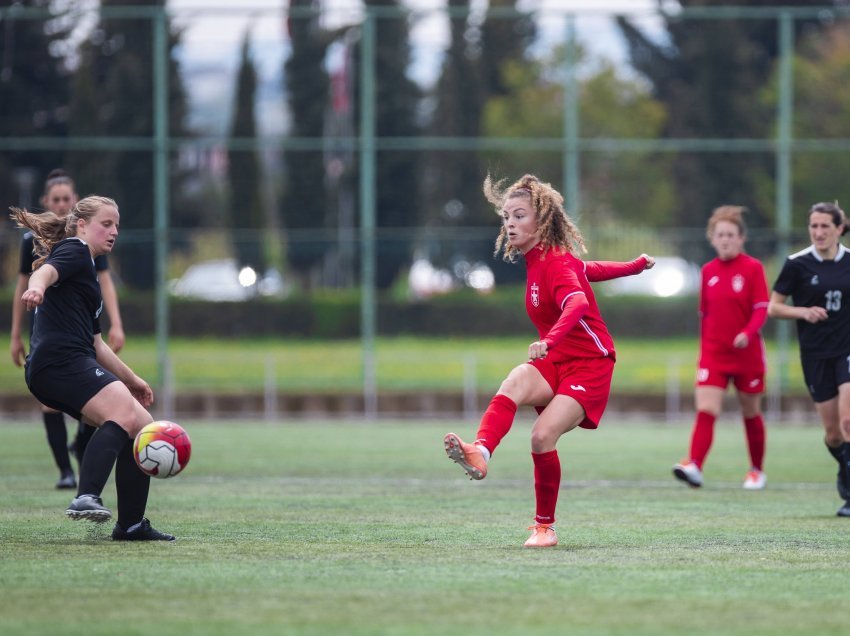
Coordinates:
304	201
246	213
397	173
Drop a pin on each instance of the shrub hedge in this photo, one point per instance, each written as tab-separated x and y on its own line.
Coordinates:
329	316
337	315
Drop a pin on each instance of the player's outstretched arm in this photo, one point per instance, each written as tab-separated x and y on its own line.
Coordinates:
598	271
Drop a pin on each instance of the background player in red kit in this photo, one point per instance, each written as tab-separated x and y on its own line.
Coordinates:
733	309
568	375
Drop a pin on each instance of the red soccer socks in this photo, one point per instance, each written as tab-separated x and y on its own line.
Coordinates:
496	421
547	481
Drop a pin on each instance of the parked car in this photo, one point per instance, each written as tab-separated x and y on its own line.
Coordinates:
223	280
671	276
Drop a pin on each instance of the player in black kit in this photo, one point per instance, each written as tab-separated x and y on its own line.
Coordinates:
70	368
818	281
59	197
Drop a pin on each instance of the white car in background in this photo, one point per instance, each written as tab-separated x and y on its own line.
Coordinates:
222	280
671	276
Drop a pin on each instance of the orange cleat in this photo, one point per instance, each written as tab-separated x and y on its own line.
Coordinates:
467	456
542	536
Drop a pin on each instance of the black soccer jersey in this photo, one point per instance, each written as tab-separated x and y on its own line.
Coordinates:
811	281
101	263
69	317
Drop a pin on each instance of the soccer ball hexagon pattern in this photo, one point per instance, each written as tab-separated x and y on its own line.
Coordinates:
162	449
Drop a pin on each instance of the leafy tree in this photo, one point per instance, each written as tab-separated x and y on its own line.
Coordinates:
115	88
821	69
709	76
34	85
246	213
618	188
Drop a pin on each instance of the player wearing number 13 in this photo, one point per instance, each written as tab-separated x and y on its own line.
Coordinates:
818	281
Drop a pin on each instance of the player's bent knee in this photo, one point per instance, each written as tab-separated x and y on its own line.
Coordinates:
523	384
543	439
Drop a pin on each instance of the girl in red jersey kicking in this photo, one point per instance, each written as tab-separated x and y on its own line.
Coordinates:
733	309
568	374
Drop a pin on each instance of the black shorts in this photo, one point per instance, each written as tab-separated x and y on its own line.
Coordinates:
68	387
823	376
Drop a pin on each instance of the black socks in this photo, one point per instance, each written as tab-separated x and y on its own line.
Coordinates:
103	449
132	486
841	454
84	434
112	446
57	438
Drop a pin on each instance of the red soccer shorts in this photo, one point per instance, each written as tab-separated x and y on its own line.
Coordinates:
586	380
745	381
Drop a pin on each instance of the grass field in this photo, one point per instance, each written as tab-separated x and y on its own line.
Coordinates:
364	529
402	364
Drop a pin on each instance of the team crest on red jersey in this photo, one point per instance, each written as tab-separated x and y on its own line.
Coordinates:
535	294
737	283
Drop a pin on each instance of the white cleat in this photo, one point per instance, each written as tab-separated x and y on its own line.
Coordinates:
689	473
755	480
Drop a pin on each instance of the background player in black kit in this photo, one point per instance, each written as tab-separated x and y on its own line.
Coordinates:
70	368
818	281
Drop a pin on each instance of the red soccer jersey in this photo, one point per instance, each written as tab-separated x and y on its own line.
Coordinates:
551	279
733	298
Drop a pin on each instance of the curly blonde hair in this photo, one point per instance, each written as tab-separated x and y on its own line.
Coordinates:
557	230
48	228
731	214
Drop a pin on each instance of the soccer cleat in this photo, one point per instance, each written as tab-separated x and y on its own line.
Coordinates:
542	536
688	472
90	508
141	532
755	480
844	511
467	456
66	480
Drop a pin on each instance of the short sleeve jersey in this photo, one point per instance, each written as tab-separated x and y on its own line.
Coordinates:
69	317
551	278
812	281
731	291
101	263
